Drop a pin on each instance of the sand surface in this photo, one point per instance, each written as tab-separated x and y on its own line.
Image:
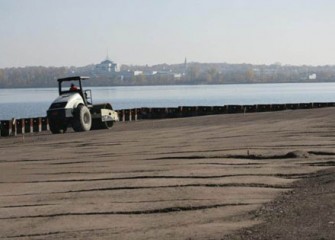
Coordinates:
192	178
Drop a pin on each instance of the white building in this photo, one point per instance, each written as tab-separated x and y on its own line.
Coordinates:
107	66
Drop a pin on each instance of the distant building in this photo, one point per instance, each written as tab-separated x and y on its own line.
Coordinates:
177	75
107	66
312	76
136	73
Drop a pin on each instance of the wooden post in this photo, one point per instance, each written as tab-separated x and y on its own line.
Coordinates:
31	121
12	126
130	111
135	114
123	116
23	126
48	127
39	124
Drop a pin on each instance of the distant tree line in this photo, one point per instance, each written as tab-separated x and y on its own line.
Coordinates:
30	77
191	73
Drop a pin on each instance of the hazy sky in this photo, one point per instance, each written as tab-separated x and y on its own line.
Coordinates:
79	32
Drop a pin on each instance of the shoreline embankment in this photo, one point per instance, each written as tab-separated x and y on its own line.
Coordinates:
15	126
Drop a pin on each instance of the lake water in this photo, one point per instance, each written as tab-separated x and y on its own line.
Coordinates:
34	102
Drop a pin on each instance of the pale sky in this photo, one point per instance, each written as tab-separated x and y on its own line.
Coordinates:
79	32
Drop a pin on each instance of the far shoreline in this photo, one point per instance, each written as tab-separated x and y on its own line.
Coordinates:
182	84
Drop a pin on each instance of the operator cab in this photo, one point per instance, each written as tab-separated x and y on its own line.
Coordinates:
71	85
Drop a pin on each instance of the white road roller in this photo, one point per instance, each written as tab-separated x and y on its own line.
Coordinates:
73	107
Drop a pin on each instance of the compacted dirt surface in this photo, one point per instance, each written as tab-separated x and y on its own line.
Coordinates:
241	176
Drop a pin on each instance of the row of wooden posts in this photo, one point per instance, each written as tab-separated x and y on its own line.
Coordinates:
14	126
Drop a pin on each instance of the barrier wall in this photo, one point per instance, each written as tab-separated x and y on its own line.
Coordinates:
250	108
23	126
35	125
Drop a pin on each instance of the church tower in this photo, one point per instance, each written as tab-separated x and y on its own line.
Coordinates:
185	66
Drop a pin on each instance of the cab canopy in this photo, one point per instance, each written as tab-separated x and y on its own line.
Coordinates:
77	79
74	78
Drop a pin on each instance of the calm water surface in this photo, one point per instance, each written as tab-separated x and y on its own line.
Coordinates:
33	102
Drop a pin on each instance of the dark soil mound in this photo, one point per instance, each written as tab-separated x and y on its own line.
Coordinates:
307	212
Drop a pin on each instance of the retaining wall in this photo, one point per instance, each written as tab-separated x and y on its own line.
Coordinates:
22	126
